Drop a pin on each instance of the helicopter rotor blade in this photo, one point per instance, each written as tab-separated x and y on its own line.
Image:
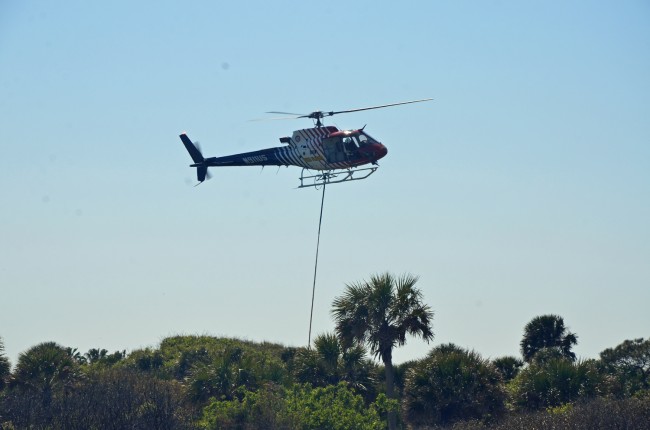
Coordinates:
275	119
319	114
376	107
285	113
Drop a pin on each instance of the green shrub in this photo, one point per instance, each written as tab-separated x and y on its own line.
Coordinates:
335	407
452	384
299	407
554	382
264	408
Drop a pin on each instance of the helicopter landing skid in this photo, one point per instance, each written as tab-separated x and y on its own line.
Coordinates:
335	176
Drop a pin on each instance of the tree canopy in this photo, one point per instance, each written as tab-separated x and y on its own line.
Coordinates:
206	382
630	363
547	331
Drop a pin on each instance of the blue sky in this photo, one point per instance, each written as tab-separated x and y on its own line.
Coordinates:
522	189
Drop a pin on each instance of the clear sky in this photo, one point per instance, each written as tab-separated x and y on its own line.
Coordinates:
522	190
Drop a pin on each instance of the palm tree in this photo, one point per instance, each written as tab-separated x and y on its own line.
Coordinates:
95	355
76	355
328	350
381	313
45	368
547	331
508	366
329	363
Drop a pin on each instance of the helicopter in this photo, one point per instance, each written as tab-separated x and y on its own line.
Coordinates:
338	155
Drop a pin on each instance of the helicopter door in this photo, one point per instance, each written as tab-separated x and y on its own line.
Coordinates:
350	147
334	150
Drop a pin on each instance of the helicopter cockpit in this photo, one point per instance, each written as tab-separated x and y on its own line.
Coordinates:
346	145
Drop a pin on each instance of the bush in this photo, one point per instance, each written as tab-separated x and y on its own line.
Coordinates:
182	354
299	407
211	366
598	414
335	407
113	399
451	384
554	382
330	363
265	408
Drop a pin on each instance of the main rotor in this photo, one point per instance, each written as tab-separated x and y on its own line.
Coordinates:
318	115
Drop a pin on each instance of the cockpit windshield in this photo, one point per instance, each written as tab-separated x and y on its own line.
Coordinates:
358	139
345	146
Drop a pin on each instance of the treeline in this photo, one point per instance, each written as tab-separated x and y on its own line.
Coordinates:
204	382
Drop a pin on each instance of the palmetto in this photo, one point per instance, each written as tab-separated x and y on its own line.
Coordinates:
380	313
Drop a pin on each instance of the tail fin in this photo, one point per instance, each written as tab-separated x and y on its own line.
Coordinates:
193	150
197	157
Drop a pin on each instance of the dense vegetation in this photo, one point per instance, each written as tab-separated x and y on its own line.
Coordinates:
204	382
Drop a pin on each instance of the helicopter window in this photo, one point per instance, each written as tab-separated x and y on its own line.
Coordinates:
363	140
350	143
333	149
339	149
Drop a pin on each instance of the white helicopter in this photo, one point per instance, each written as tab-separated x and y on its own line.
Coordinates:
337	154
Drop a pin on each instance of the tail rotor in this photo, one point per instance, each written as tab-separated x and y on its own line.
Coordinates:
194	150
